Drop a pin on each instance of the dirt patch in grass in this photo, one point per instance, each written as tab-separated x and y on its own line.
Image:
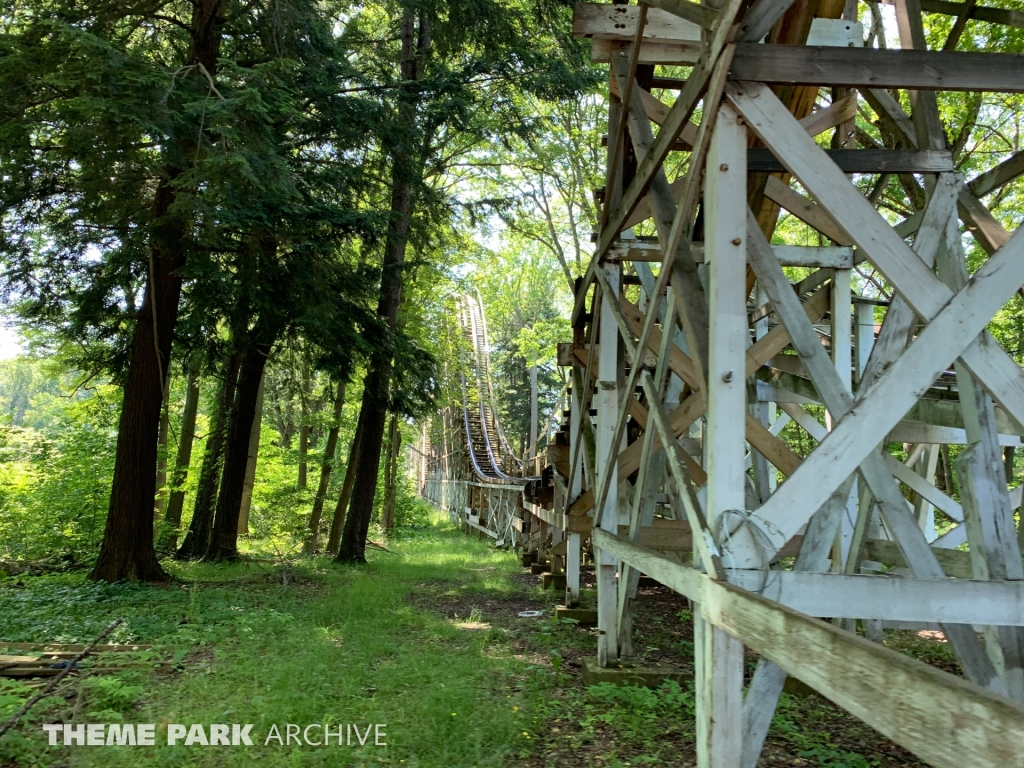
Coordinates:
582	728
456	603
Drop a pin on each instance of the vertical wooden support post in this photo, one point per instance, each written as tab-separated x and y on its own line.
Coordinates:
719	657
863	336
988	515
719	681
764	473
572	570
924	512
573	542
608	374
725	233
842	358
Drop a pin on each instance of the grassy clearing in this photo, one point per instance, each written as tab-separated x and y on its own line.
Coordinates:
426	640
336	645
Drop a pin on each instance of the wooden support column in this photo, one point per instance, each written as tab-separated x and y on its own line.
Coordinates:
842	356
719	657
765	475
609	370
988	514
573	542
924	512
864	336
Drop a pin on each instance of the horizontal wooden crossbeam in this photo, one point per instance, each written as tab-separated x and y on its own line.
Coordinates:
889	598
942	718
603	21
977	13
875	68
864	161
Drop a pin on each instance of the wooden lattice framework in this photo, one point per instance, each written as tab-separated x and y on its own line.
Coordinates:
687	382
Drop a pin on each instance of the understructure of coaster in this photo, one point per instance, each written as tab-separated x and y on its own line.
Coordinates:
695	347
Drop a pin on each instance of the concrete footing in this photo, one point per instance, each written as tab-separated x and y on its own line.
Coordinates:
627	672
538	568
549	580
585	616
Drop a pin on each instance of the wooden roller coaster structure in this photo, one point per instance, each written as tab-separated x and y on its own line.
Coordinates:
471	471
694	348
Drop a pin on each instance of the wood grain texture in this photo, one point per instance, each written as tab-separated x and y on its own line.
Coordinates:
874	68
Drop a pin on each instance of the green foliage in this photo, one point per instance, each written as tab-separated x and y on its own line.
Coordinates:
337	644
635	712
55	480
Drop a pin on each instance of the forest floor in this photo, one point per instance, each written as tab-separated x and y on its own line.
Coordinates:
425	640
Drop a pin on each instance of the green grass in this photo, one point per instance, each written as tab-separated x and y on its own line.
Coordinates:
425	640
336	645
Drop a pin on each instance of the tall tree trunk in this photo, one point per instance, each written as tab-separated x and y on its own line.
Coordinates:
250	467
334	540
374	409
127	551
224	538
325	471
176	501
198	537
161	463
303	449
391	474
304	426
947	470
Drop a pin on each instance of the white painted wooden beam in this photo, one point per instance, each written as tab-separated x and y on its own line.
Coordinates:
942	718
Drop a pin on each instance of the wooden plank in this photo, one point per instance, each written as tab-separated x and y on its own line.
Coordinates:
806	210
891	113
830	595
602	21
718	673
771	447
572	569
813	256
996	177
820	257
725	232
834	114
601	51
916	432
979	12
702	15
761	17
864	161
875	68
956	564
923	488
943	719
609	375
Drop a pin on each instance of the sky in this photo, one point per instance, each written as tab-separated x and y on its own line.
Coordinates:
9	341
